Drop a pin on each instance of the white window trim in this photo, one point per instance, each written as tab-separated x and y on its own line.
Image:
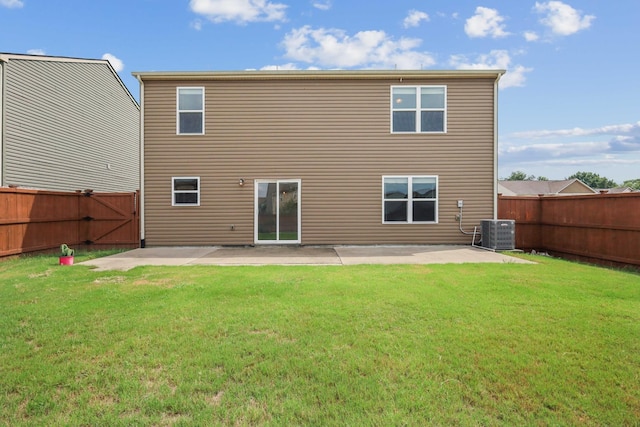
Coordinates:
410	199
173	191
178	110
418	109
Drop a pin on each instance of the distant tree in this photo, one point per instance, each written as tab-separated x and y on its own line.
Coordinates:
632	183
520	176
594	180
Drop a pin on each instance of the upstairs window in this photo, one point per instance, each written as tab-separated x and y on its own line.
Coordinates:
190	105
409	199
185	191
418	109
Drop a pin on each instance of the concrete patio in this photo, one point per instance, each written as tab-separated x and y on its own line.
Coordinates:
300	255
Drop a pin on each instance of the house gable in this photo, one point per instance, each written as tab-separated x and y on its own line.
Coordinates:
576	186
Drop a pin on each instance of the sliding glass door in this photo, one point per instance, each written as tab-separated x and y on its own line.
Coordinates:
277	211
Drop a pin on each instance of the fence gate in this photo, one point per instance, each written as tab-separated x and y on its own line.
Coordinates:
109	219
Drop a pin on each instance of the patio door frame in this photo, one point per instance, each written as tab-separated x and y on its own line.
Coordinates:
256	207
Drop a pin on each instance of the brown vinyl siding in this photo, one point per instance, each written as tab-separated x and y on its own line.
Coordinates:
335	136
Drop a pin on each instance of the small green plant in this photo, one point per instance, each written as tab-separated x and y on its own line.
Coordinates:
66	250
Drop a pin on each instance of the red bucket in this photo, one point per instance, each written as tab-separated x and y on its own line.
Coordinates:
66	260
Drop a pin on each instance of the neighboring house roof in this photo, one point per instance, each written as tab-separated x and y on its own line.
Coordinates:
616	190
6	57
534	188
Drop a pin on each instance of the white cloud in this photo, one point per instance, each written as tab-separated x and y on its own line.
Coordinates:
414	18
514	77
567	154
116	63
11	3
36	52
486	22
533	152
531	36
623	129
290	66
240	11
563	19
606	147
322	4
496	59
334	48
196	25
612	151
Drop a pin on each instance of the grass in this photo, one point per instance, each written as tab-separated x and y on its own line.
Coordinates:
555	343
273	236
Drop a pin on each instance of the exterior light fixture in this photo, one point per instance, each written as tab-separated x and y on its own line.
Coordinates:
241	182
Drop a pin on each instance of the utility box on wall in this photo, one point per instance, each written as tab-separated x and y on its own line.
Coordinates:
498	234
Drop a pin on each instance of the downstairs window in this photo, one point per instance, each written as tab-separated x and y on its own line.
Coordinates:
185	191
409	199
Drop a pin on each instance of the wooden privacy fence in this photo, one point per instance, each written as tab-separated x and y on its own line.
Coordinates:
602	228
34	220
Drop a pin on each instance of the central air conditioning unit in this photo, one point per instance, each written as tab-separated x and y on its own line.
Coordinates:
498	234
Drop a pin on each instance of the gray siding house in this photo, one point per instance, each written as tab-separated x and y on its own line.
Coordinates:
317	157
67	124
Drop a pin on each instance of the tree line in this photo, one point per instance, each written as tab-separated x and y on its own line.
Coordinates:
592	179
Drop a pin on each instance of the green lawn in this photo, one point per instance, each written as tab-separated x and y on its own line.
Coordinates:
284	235
555	343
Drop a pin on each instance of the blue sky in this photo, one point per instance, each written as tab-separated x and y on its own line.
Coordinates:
570	100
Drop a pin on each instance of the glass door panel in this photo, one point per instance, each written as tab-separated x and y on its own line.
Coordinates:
267	209
288	212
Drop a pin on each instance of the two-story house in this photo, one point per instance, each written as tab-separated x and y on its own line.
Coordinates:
317	157
67	124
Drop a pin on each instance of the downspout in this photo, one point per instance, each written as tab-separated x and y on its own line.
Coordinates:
495	145
142	210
